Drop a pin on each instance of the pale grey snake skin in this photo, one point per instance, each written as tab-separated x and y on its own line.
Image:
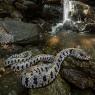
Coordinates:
41	75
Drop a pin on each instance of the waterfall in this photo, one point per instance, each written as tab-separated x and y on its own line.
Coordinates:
65	10
67	7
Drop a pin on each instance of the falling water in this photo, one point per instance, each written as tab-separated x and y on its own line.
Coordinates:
65	10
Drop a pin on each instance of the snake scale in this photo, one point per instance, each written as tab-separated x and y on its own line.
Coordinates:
40	75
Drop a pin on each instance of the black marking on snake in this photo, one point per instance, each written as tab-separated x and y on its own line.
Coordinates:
22	67
31	63
71	50
18	67
42	69
55	69
13	67
34	61
26	65
35	80
26	81
22	59
67	52
61	56
44	78
46	69
35	70
37	59
39	70
57	65
59	60
12	61
18	60
51	74
15	61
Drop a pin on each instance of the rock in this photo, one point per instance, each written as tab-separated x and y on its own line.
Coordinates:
19	32
58	87
81	74
9	85
2	70
78	78
9	49
12	93
81	15
70	25
77	91
88	2
16	15
52	12
43	24
90	28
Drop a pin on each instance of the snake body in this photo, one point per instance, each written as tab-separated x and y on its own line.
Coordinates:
16	58
41	75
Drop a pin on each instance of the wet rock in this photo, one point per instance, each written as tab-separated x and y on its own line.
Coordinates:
82	15
78	78
21	33
79	73
9	85
9	49
43	24
58	87
90	28
77	91
8	9
70	25
52	12
16	15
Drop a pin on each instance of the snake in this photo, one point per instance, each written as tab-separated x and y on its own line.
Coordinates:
41	75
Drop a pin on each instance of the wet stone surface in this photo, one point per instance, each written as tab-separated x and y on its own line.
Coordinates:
9	85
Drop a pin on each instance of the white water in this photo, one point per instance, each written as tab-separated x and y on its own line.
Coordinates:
65	10
67	5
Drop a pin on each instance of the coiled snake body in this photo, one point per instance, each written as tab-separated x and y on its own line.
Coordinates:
42	74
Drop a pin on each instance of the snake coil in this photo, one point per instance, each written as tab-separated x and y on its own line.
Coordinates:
40	75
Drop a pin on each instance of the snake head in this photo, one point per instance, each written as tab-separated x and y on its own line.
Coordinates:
80	54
